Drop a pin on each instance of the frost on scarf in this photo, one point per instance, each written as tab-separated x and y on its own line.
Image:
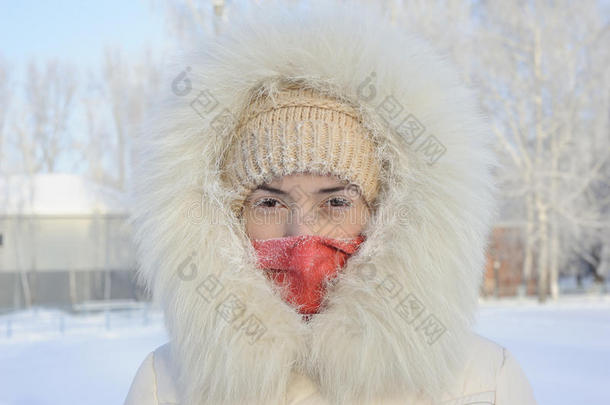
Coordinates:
305	263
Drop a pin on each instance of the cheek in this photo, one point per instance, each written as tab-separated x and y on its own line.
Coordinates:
262	226
349	223
357	219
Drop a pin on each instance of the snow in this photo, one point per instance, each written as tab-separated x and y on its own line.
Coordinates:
563	347
57	194
92	362
49	357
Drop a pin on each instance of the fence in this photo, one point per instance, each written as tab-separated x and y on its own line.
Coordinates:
87	317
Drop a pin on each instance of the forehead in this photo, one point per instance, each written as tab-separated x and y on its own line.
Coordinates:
306	181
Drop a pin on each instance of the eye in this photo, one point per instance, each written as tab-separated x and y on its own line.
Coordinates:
267	202
338	202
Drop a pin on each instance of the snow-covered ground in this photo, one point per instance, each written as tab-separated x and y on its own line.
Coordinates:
563	346
92	362
47	357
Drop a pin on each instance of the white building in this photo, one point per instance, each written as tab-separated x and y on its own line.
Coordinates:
63	240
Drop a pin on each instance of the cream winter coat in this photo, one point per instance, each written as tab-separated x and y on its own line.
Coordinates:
396	326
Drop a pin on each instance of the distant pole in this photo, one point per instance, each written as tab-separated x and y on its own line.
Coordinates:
72	286
25	287
218	11
496	266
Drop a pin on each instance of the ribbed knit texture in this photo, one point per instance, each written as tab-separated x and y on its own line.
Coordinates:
300	130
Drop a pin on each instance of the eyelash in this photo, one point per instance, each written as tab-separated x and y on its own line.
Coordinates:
261	203
344	202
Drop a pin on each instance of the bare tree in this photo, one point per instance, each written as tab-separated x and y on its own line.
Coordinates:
41	125
539	82
5	100
113	108
97	146
186	19
542	71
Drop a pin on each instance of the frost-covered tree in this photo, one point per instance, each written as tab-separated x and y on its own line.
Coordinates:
544	71
5	99
112	106
541	68
39	127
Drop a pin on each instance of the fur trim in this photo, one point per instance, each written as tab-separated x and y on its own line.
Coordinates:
398	318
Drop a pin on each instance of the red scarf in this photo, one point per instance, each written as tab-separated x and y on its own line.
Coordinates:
304	262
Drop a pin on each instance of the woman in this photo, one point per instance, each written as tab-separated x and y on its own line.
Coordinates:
311	209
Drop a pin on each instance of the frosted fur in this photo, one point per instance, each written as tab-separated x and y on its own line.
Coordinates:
428	232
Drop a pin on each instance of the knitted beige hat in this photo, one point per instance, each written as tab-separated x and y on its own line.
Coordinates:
300	130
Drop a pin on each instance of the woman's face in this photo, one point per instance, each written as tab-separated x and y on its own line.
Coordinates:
304	204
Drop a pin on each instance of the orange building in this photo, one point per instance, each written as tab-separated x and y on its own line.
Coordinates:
504	264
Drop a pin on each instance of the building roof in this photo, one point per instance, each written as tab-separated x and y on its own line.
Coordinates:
57	194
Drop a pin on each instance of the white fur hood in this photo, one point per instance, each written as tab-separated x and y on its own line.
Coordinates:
399	317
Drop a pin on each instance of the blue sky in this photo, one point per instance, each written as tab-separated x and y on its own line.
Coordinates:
76	31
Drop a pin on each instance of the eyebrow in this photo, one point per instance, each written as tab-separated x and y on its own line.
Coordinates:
331	189
272	189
